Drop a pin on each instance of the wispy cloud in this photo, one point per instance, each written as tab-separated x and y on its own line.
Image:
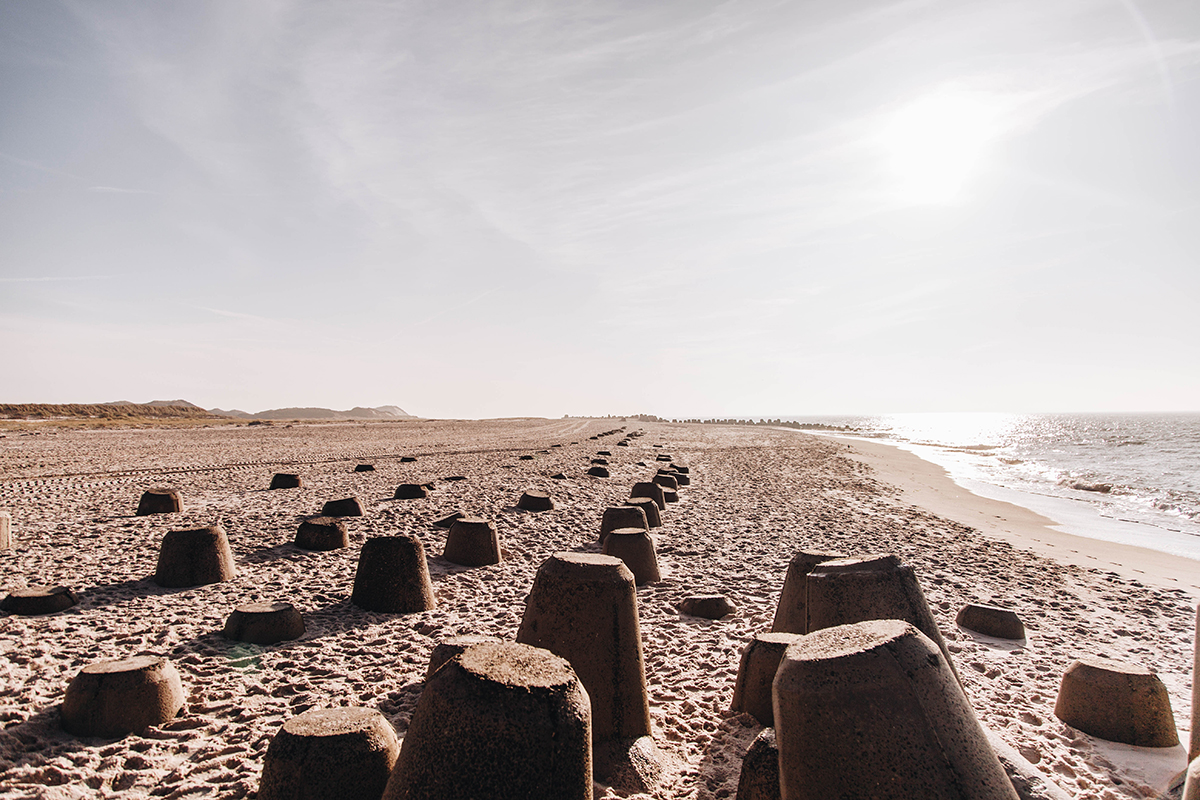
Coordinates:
118	190
55	278
24	162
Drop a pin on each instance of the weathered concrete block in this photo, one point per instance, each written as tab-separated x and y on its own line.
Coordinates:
115	698
583	607
449	648
622	517
708	606
1001	623
873	710
535	500
449	520
666	481
264	623
651	490
849	590
322	534
410	491
759	779
286	480
649	507
33	600
346	507
161	500
499	720
635	547
194	558
1116	701
330	752
756	674
791	613
1194	747
393	576
472	542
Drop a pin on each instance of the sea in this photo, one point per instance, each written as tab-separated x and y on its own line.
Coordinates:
1128	478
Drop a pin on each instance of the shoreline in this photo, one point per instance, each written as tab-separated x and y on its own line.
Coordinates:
928	485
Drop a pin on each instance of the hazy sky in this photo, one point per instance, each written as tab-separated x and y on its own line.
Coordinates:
537	208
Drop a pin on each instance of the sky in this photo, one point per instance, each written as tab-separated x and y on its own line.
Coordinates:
684	208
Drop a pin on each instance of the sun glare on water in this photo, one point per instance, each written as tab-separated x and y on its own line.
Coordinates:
934	145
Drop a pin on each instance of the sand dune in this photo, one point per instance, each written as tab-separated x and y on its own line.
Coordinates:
757	496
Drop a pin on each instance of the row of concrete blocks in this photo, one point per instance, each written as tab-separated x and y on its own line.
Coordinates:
582	608
827	592
824	589
392	574
890	579
866	675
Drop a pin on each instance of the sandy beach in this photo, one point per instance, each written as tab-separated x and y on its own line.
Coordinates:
758	495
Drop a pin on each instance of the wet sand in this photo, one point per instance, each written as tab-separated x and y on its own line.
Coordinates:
758	496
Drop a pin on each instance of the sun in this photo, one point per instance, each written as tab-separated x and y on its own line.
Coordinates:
934	145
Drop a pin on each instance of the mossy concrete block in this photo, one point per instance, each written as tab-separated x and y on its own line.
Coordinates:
1117	701
115	698
347	753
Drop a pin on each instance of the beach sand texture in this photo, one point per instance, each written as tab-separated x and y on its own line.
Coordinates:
756	497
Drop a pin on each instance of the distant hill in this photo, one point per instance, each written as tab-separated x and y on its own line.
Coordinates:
182	409
382	412
161	403
233	412
107	411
